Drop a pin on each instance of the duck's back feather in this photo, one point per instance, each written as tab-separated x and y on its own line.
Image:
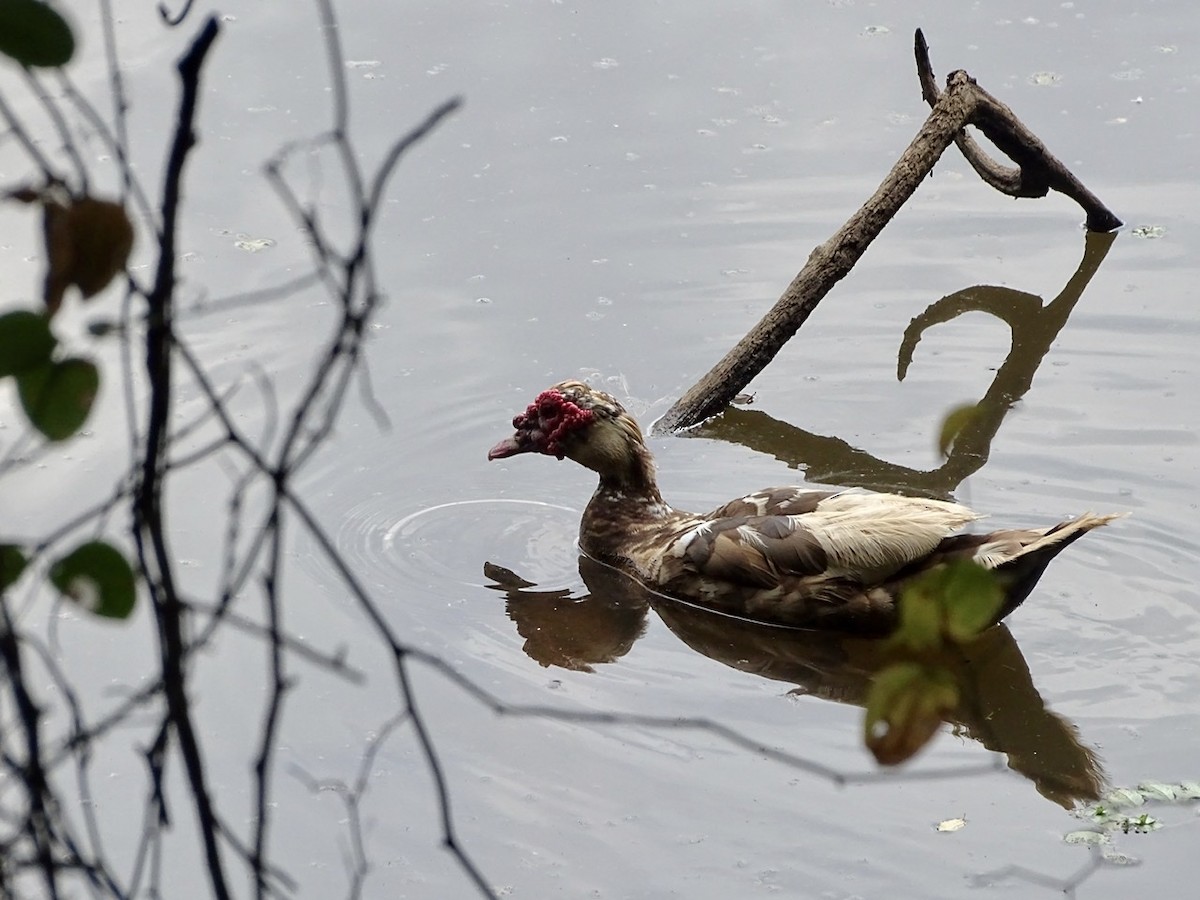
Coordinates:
862	535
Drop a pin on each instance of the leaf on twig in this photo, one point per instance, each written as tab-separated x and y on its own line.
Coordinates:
25	342
957	600
88	242
956	420
971	596
12	564
33	34
905	708
97	577
920	609
57	397
908	700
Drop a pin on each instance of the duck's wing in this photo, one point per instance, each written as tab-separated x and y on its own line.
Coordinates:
754	551
777	501
861	536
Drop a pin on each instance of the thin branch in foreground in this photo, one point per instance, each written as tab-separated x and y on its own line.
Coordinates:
33	82
150	532
352	796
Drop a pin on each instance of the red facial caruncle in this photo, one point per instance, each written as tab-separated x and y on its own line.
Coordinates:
555	416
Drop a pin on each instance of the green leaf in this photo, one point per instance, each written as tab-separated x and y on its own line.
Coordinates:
25	339
906	705
57	397
96	576
958	599
956	420
920	625
12	561
34	34
971	599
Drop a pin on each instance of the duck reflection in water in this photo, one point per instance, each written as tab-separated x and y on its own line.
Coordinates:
998	704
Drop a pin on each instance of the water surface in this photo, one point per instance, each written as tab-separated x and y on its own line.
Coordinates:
628	188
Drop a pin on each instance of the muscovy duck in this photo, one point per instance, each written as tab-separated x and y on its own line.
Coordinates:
833	560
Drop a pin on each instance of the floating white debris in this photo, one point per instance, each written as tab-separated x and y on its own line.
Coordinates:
952	824
254	245
1122	797
1150	232
1189	790
1115	857
1152	790
1044	78
1086	837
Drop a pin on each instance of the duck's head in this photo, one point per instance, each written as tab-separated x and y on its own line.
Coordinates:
575	421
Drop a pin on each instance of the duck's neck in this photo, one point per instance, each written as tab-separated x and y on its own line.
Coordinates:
625	502
616	451
631	488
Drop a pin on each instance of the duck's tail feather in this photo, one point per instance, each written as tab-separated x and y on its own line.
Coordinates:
1020	557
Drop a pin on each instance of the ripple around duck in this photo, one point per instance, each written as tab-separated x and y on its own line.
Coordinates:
442	548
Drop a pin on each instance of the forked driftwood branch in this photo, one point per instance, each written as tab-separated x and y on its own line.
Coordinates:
962	103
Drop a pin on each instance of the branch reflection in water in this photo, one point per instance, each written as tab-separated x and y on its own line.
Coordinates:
999	706
830	460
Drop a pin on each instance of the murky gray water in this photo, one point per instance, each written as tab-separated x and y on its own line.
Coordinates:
627	189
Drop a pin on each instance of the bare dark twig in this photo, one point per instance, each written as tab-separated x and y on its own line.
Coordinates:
177	18
150	526
1037	171
280	684
32	772
60	125
250	298
27	143
131	185
352	795
333	662
962	103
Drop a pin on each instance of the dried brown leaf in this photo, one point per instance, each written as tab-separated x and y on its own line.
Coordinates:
88	242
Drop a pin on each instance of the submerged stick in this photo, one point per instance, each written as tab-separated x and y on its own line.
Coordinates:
962	103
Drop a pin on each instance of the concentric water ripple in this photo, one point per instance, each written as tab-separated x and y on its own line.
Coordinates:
534	539
441	549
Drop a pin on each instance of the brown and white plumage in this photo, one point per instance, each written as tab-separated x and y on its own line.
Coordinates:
816	559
